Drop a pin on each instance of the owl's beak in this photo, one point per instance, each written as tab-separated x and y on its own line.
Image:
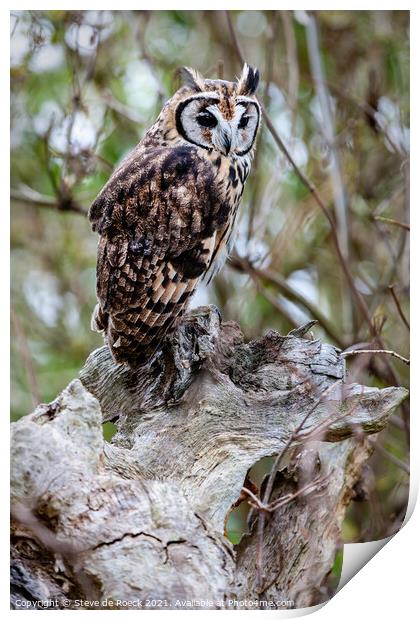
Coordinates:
225	138
227	141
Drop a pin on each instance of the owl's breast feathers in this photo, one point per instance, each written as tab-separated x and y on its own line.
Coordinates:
163	218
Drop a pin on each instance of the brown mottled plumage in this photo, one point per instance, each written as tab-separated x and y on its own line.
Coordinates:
166	215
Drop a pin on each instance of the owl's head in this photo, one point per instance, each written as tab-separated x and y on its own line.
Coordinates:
218	115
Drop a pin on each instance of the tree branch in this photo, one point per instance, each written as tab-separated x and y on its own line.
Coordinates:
376	352
29	196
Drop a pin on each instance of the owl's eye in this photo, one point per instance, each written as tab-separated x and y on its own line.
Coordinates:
243	122
206	119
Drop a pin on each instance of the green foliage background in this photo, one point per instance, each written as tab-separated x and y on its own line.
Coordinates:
84	88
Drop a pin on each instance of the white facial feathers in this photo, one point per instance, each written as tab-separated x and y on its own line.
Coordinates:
219	115
201	121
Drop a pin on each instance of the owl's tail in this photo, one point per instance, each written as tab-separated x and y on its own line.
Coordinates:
130	340
136	334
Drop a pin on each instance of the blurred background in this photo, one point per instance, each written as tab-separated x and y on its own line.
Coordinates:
86	85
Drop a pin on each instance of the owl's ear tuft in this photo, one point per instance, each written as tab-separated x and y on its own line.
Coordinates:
249	80
192	78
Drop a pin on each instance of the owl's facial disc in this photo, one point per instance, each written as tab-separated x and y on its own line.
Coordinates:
246	122
202	120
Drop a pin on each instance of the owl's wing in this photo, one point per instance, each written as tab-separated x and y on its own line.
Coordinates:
157	218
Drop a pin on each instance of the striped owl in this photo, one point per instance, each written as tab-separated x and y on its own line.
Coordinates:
166	215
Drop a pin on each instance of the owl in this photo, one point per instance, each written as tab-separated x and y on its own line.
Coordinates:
166	216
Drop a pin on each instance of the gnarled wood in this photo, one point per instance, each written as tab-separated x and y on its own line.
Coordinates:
142	517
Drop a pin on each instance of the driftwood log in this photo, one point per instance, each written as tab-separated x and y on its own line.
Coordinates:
138	522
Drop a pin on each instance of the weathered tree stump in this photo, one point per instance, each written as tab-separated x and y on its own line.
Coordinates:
139	522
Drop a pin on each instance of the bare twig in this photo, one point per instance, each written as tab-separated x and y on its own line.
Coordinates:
31	197
271	478
220	68
398	305
377	351
68	550
272	299
121	109
339	194
256	502
284	499
292	61
244	265
141	26
25	515
394	459
270	47
367	109
234	38
306	489
388	220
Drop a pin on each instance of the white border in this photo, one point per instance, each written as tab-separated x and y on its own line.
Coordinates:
387	586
